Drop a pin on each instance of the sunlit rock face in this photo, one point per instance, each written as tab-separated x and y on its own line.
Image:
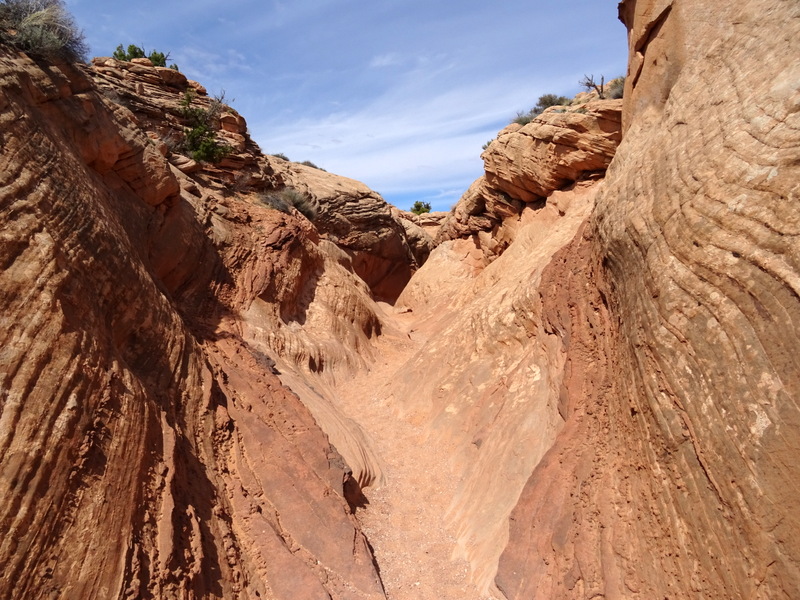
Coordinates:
148	450
382	250
671	477
525	164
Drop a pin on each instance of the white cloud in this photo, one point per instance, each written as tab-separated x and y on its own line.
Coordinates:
392	59
399	95
414	137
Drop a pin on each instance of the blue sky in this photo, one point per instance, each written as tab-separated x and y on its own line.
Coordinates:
399	94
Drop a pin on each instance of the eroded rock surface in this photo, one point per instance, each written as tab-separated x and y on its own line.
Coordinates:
525	164
382	252
563	144
672	477
147	450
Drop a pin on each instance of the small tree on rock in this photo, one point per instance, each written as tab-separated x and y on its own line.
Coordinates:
159	59
589	84
421	207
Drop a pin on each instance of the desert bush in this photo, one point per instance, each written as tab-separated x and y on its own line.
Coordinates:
201	144
308	163
280	155
159	59
132	52
193	115
420	207
301	202
616	88
588	83
199	140
288	197
545	101
523	118
42	28
275	201
548	100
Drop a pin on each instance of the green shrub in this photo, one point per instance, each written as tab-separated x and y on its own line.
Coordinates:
421	207
194	116
132	52
275	201
548	100
159	59
201	144
523	118
199	139
42	28
288	197
545	101
301	202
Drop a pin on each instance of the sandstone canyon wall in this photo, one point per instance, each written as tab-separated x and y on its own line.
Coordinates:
674	475
146	449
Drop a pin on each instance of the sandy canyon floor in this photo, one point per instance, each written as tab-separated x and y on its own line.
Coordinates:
405	517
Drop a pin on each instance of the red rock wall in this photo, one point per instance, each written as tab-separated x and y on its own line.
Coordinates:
145	449
674	474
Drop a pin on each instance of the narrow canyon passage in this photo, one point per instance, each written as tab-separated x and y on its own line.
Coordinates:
405	517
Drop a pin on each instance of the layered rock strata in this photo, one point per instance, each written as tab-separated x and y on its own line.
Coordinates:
673	476
607	358
383	250
663	392
146	449
319	313
527	163
349	214
489	383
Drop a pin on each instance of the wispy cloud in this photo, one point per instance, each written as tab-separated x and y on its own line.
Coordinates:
414	137
399	95
199	63
392	59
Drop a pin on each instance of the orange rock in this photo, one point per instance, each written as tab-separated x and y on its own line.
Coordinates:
676	311
233	123
172	77
147	448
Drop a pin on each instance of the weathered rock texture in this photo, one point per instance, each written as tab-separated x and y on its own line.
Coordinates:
146	449
487	386
316	317
383	251
349	214
613	365
525	164
673	476
488	382
562	145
